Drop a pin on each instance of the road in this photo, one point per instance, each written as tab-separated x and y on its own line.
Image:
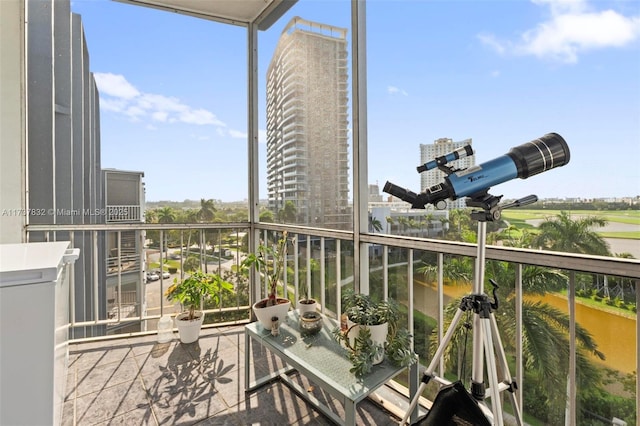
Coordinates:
157	304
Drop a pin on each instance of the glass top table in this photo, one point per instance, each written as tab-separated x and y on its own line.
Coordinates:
321	359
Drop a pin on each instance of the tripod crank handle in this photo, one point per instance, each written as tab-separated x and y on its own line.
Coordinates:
494	291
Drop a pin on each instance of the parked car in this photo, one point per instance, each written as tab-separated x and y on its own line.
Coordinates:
152	276
164	274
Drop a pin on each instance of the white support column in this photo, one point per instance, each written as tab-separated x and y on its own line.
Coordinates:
252	146
359	84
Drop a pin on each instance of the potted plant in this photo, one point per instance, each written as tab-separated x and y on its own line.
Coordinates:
191	293
306	303
270	262
373	332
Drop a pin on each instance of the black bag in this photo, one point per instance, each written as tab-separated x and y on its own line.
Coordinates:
454	406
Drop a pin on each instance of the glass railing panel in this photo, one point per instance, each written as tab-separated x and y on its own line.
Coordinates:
606	366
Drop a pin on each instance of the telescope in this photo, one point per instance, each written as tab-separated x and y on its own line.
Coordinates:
529	159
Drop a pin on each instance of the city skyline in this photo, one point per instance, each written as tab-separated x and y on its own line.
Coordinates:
175	101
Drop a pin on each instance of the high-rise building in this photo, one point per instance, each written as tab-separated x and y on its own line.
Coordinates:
307	125
432	177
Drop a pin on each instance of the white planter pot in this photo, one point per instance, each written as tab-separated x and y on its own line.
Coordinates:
189	331
307	307
264	314
378	335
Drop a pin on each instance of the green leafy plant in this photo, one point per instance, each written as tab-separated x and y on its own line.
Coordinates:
270	262
193	290
363	310
304	296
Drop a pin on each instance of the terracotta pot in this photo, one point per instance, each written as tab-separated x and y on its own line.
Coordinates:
266	313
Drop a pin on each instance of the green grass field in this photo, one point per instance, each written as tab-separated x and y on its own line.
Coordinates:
518	218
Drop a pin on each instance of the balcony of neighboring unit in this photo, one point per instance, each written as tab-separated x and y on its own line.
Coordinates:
125	263
124	213
124	196
298	150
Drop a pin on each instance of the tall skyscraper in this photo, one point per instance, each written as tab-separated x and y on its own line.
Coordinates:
307	125
432	177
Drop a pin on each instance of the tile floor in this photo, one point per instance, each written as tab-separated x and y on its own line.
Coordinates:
136	381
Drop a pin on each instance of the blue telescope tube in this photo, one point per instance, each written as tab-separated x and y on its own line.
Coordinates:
478	178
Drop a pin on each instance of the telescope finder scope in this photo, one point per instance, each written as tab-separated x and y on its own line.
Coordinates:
447	158
529	159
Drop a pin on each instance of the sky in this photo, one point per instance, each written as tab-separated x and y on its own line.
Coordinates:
173	91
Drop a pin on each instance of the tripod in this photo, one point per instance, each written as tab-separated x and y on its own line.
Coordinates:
487	344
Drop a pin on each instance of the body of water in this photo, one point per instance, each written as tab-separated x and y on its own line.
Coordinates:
614	334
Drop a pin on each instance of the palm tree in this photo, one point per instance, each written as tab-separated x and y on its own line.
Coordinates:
207	210
150	216
288	213
455	269
189	216
562	233
428	218
460	220
266	216
443	221
374	224
166	215
391	221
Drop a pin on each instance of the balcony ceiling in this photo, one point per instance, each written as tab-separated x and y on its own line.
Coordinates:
263	13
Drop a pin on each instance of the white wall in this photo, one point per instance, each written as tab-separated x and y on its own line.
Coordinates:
12	122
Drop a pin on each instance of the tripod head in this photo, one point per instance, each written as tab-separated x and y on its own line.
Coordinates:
491	210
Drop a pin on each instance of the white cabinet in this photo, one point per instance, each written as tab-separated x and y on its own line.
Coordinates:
34	329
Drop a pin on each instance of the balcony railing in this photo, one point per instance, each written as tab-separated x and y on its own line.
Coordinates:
413	271
123	213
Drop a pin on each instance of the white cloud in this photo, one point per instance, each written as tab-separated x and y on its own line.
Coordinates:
160	116
200	116
115	85
236	134
572	29
200	137
393	90
112	104
118	95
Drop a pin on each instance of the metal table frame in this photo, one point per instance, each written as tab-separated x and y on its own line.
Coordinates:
322	360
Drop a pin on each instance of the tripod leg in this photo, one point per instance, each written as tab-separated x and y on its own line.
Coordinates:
477	366
414	403
492	373
434	363
502	358
445	342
